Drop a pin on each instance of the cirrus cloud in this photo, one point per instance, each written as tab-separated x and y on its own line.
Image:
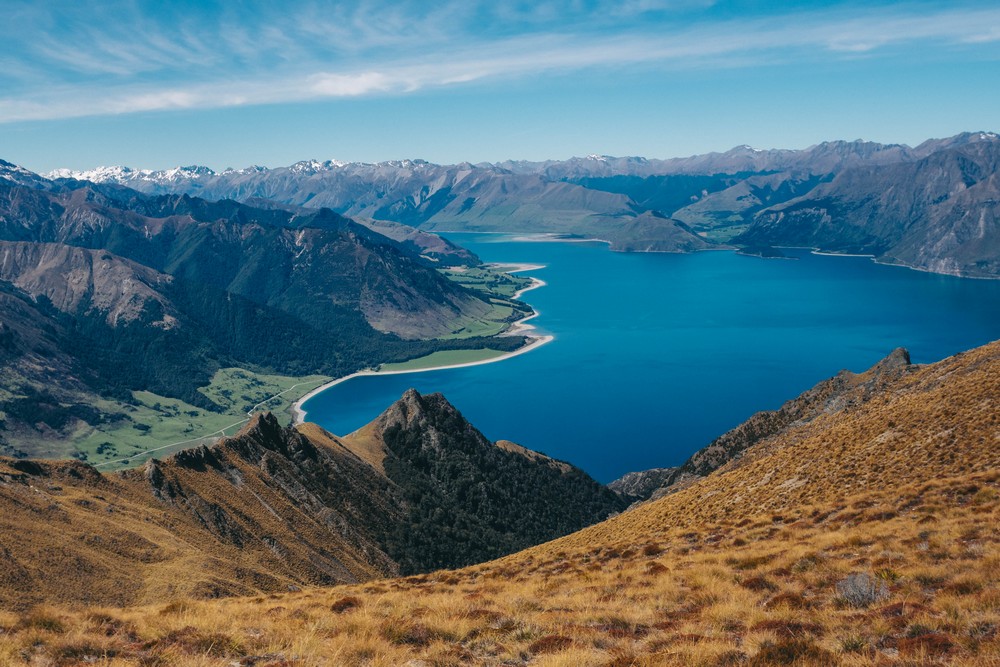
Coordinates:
84	64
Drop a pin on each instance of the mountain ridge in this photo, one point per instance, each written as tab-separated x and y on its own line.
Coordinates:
750	197
137	293
269	509
865	535
937	213
834	395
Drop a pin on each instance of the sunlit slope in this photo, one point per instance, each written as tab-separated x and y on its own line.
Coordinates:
274	509
864	535
255	512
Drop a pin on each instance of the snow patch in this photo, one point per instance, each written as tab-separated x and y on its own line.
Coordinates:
122	174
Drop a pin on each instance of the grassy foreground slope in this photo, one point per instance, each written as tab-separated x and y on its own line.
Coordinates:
276	508
867	536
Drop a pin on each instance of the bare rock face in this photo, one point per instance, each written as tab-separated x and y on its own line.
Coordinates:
641	485
79	280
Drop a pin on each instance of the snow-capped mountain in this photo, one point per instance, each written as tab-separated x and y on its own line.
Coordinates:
12	173
635	203
127	176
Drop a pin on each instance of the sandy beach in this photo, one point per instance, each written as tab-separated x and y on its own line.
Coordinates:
518	328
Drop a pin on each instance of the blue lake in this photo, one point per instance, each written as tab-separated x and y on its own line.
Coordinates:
657	354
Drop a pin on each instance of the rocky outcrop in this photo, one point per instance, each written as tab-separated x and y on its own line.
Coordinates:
641	485
81	281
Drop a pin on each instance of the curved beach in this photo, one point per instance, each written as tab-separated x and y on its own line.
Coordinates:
518	328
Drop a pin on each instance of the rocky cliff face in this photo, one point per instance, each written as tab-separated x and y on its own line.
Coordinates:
640	485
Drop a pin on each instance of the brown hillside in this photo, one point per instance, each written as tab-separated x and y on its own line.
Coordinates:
866	536
274	509
253	513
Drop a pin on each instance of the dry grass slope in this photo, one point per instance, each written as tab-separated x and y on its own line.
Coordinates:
864	537
234	519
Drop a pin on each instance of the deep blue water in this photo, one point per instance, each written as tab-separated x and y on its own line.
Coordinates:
657	354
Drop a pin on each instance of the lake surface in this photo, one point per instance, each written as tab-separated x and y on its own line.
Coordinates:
657	354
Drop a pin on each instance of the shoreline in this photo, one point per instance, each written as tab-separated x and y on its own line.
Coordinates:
877	260
299	414
517	328
541	237
535	284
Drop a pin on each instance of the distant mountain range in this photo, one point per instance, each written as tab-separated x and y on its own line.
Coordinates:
106	291
433	197
931	207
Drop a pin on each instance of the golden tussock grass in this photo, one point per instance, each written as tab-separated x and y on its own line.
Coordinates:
698	601
865	537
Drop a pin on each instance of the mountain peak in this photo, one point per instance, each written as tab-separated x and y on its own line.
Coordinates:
18	175
898	358
260	424
127	175
413	409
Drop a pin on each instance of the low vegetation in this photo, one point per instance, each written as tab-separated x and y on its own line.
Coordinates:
496	288
761	590
867	536
489	280
159	426
444	358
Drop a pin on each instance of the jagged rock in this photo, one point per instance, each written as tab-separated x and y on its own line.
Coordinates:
641	485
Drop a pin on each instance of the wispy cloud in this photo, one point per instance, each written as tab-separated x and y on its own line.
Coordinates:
96	60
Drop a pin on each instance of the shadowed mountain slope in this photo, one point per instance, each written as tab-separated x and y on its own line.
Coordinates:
468	499
866	535
155	293
274	508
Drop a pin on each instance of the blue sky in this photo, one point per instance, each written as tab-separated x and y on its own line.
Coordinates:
160	84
